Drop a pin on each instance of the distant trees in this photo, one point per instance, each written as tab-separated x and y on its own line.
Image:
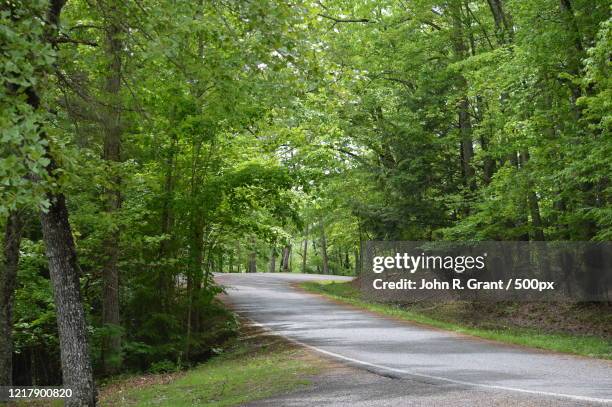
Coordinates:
465	120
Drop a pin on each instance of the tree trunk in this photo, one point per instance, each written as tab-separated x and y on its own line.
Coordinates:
8	280
194	277
316	253
305	254
166	246
111	343
360	249
238	255
286	258
575	55
252	262
347	262
503	24
324	250
532	203
536	220
465	125
522	205
467	149
272	267
64	271
488	163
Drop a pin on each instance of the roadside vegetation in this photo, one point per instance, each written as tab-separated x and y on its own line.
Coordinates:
251	366
254	366
580	330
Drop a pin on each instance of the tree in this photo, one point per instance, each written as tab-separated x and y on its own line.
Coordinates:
61	253
8	277
112	125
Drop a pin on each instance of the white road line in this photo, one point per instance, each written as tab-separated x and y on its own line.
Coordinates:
444	379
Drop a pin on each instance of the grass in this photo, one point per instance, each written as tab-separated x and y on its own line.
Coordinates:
254	368
585	345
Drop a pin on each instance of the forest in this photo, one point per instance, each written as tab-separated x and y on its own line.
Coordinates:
147	144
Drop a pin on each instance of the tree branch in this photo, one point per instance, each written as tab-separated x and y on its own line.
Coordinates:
85	27
63	39
345	20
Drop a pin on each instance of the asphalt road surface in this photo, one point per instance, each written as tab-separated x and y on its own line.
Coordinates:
401	364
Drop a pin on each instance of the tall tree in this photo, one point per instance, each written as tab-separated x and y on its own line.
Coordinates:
8	278
63	265
305	251
112	126
324	254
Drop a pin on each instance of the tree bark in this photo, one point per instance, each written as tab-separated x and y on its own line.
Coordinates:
166	246
347	262
252	262
8	280
532	203
465	124
286	258
194	277
568	13
282	259
522	220
111	343
488	164
536	219
64	271
575	55
467	149
272	267
503	23
238	255
324	250
488	168
305	254
316	253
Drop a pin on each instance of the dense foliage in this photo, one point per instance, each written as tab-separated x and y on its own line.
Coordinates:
190	137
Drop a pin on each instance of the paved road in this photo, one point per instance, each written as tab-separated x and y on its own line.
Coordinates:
438	360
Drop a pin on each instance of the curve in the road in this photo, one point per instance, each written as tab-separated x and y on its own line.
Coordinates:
383	344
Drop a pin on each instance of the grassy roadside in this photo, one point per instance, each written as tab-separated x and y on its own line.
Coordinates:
255	367
585	345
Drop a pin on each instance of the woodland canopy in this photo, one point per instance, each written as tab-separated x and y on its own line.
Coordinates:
147	144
